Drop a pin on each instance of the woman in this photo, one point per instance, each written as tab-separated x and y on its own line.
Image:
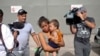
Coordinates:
43	35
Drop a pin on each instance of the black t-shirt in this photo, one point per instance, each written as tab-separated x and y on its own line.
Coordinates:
83	31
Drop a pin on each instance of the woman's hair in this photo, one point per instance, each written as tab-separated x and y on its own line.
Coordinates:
42	19
55	23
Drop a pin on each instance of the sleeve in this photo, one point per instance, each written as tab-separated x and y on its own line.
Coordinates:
32	29
8	37
91	19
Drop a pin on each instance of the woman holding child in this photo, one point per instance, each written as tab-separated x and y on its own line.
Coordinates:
46	37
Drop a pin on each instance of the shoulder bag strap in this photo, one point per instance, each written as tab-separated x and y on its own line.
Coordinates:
2	38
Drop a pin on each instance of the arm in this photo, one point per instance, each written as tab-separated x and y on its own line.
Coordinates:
45	46
36	39
54	37
34	36
62	43
15	34
90	24
73	29
8	37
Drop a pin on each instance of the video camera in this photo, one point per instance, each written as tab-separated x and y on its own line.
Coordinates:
71	17
16	25
13	26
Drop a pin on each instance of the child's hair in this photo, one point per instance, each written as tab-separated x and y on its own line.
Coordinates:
42	19
55	22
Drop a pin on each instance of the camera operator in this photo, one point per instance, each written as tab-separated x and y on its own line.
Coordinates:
82	33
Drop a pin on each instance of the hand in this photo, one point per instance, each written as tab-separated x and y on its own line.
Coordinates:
80	15
17	43
49	36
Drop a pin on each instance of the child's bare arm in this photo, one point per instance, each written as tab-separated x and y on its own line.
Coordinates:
54	37
44	44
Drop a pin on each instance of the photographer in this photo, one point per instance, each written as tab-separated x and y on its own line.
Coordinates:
82	33
5	36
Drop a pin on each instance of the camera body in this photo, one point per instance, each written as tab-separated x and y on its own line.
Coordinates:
16	25
13	27
72	18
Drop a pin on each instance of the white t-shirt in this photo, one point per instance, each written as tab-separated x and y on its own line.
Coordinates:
8	39
24	34
7	36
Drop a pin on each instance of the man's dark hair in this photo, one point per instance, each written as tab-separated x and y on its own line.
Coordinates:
42	19
55	22
1	13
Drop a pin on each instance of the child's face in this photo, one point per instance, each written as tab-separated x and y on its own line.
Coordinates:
45	26
52	27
